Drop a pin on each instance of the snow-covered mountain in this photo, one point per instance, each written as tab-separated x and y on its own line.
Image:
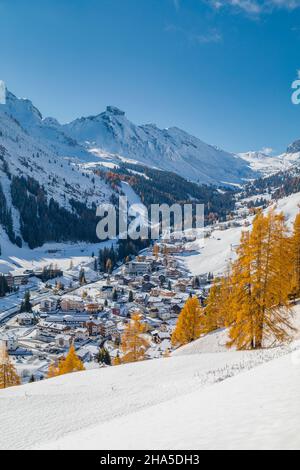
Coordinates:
46	131
63	158
111	136
29	149
267	165
28	153
41	162
168	149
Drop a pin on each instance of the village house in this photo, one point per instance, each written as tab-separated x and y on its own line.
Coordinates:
84	354
175	310
45	336
9	279
25	319
153	312
94	327
93	308
75	321
116	309
72	303
49	305
16	280
173	273
80	334
51	327
63	341
136	268
180	286
21	280
159	336
164	315
155	292
9	341
167	293
106	292
107	328
147	286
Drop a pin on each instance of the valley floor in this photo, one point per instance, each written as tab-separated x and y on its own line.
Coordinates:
192	400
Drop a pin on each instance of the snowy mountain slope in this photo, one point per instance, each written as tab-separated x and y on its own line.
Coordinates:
110	136
265	164
167	149
31	148
294	147
268	165
45	131
215	253
173	403
25	156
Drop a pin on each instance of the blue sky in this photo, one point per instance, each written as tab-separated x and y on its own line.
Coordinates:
221	70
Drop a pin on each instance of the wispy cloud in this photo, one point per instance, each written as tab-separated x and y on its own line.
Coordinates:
254	7
176	4
195	37
267	151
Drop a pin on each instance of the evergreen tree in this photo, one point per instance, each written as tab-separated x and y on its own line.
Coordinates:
189	323
117	360
296	256
261	284
53	370
26	304
215	314
4	289
71	363
156	251
115	295
82	279
108	266
8	373
133	342
103	357
130	296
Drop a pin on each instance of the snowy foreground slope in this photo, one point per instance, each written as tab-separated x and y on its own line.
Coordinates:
192	400
257	410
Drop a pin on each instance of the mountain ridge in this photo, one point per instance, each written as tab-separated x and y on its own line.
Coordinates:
112	132
170	149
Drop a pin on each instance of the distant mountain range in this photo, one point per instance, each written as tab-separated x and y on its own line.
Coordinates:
268	165
111	135
168	149
51	181
52	175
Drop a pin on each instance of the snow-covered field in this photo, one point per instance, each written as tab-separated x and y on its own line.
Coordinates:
193	400
19	259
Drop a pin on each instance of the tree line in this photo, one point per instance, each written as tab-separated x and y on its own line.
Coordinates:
44	221
254	300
